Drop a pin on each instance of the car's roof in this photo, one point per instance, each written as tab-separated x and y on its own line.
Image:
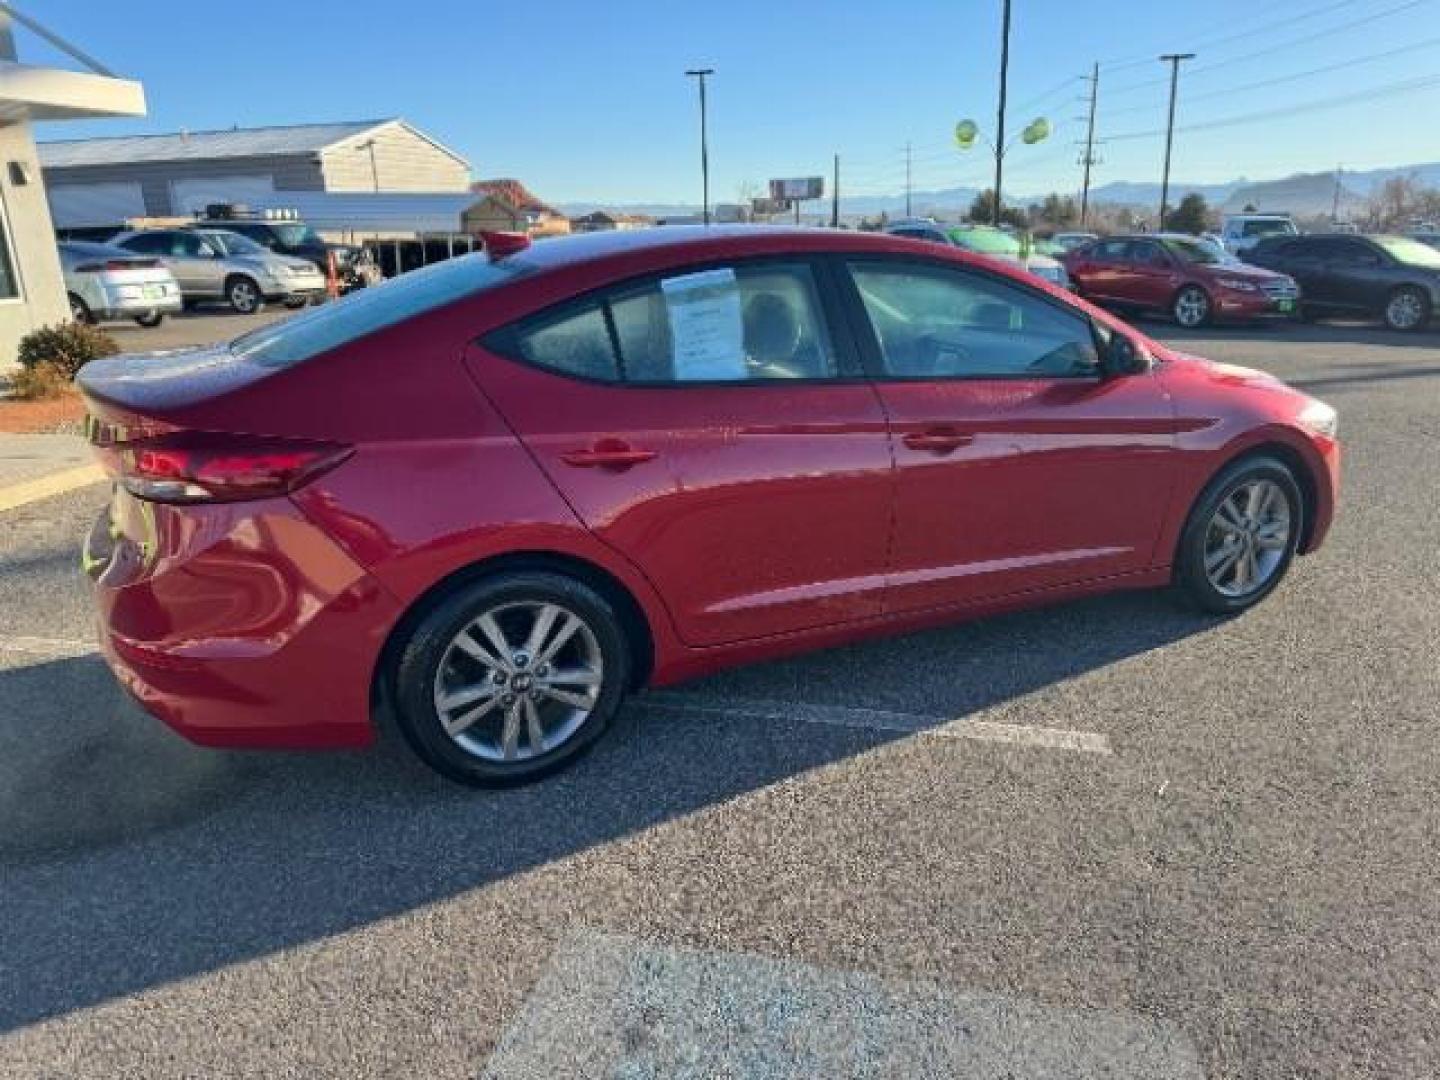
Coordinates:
683	242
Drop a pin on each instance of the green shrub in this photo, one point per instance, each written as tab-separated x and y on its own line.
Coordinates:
69	347
39	382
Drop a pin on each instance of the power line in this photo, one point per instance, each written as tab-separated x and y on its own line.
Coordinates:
1275	46
1139	59
1389	90
1030	103
1279	79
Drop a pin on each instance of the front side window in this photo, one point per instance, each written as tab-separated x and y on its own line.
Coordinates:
724	324
933	322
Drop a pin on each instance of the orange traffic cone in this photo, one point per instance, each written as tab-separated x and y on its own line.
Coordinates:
332	278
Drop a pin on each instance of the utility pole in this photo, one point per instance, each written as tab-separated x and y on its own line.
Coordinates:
1089	145
1173	59
1000	120
907	179
700	74
835	196
1335	201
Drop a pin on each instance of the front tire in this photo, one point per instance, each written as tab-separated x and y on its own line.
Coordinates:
150	319
1241	536
511	678
1407	309
295	303
244	295
1191	307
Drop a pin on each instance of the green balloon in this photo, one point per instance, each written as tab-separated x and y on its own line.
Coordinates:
1037	131
965	134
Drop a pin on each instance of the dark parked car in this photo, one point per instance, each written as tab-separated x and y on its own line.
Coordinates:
626	459
1188	278
1392	277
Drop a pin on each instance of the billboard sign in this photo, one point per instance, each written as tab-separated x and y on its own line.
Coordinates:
798	189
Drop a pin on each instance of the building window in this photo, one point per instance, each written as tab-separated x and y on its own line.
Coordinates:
9	283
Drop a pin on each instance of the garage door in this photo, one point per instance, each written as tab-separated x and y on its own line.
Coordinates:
75	206
188	196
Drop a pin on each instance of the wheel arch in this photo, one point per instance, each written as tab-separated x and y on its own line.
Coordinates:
627	607
1299	467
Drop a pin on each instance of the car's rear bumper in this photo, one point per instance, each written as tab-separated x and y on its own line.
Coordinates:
238	625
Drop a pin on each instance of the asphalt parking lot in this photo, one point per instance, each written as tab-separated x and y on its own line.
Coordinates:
1109	839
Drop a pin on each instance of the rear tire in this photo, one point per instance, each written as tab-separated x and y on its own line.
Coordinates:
511	678
1241	536
244	295
295	303
1407	309
80	311
151	319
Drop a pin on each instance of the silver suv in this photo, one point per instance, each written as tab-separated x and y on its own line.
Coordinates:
214	264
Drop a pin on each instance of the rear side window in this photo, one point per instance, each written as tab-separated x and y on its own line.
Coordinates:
363	312
576	342
725	324
1109	250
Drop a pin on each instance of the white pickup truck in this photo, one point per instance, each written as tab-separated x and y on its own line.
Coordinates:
1241	232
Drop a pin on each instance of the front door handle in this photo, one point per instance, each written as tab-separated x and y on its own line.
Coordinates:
608	454
938	440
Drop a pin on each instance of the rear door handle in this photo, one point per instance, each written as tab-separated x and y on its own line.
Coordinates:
608	454
938	440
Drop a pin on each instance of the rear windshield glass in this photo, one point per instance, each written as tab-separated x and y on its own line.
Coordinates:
367	310
985	241
1269	227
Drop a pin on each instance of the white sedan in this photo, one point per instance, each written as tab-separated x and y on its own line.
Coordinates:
107	282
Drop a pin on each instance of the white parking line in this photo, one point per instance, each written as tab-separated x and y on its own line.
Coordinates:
1085	742
57	648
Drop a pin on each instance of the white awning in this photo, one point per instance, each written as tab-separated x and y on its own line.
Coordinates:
39	93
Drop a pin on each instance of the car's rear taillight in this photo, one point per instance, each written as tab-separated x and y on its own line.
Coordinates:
194	467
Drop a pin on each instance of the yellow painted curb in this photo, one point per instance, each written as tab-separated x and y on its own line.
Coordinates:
46	486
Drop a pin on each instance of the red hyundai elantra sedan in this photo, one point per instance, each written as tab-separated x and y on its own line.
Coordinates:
504	491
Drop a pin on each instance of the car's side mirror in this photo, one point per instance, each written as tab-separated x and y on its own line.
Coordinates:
1122	356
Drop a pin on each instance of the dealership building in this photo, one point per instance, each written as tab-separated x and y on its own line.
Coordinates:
32	291
101	182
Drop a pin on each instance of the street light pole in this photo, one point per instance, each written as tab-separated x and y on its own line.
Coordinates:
1000	120
1173	59
700	74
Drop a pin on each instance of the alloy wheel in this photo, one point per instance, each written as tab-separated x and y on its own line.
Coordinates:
244	297
518	681
1247	538
1191	307
1405	311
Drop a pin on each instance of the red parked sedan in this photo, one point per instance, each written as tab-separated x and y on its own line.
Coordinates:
1191	280
504	491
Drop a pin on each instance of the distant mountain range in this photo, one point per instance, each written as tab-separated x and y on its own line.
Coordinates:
1303	194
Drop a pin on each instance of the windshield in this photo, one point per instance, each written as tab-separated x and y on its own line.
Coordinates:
1410	252
1270	227
1194	251
368	310
297	235
234	244
985	241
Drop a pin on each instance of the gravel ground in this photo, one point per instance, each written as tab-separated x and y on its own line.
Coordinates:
1244	885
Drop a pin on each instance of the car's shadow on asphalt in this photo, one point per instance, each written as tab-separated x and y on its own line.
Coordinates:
129	859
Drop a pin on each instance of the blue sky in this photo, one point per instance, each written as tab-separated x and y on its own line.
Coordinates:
587	101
